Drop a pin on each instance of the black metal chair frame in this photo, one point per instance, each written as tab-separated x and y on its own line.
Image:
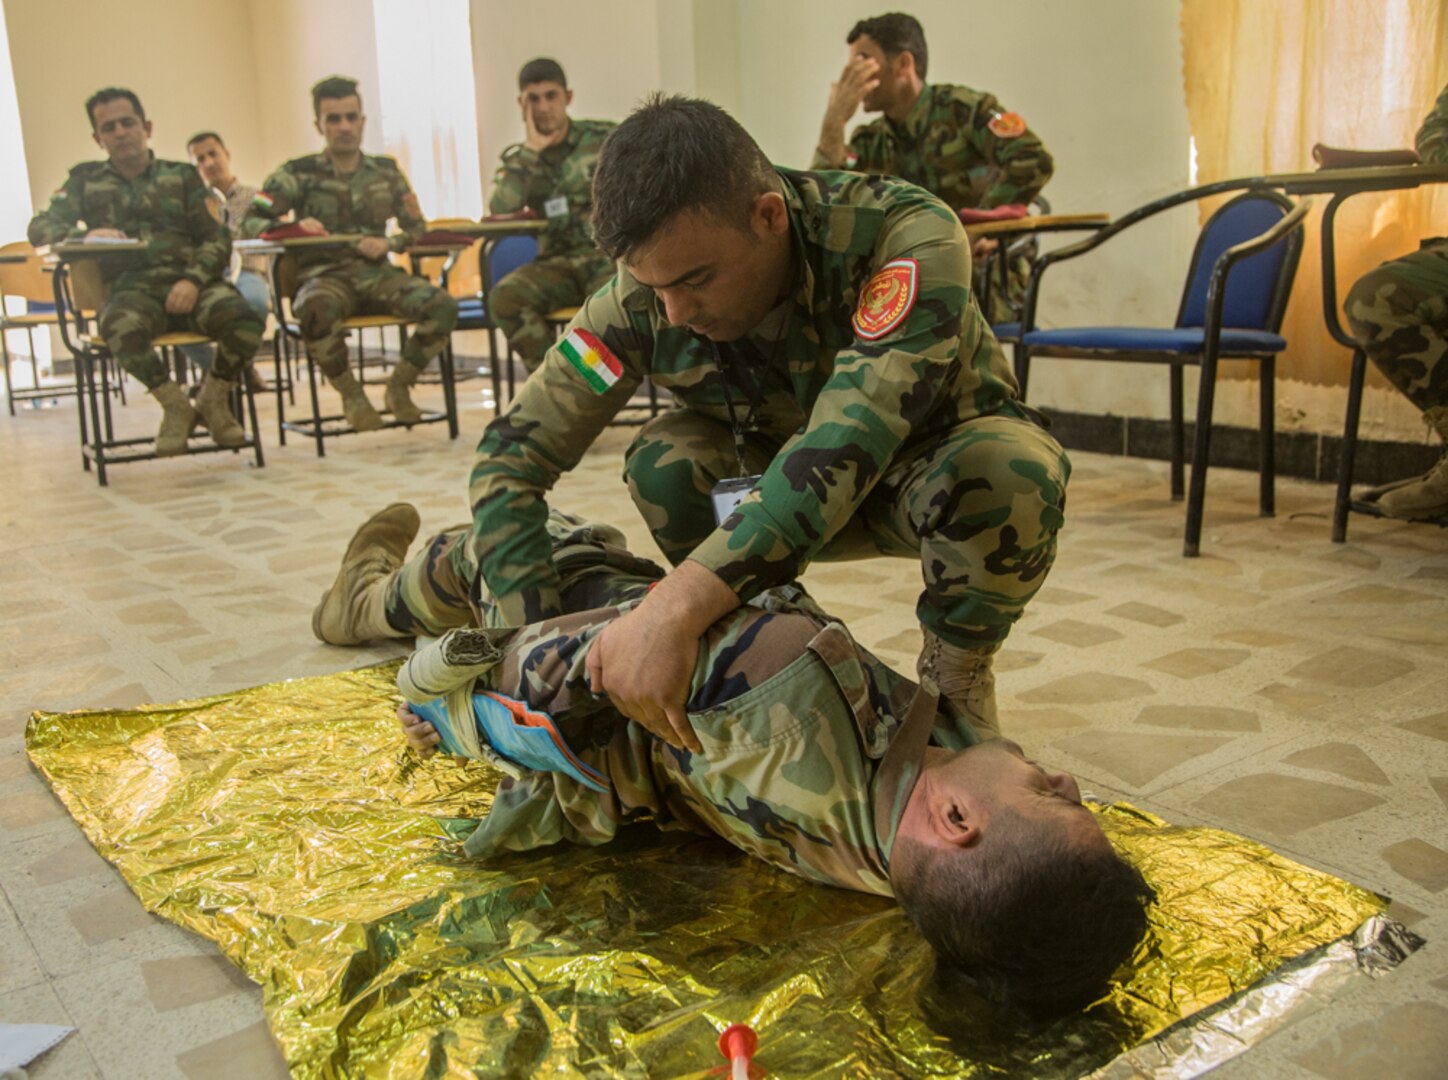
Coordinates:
94	369
319	427
1288	229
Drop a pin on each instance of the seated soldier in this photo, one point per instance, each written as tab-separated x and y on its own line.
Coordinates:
343	190
176	283
804	750
551	173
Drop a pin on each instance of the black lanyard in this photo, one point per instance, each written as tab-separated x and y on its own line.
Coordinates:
754	399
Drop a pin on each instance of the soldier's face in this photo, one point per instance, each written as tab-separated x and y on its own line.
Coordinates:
340	122
212	161
884	95
714	277
548	103
119	131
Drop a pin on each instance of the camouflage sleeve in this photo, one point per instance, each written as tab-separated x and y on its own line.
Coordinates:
557	414
1021	164
59	218
281	192
210	238
877	391
405	207
1432	141
514	180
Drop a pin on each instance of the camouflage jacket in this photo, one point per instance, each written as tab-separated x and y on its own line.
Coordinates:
808	769
841	405
530	178
1432	138
362	202
948	147
168	206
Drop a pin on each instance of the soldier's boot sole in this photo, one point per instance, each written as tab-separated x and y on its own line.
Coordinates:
354	609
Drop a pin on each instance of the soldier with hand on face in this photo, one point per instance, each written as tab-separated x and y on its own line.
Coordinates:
343	190
551	173
177	282
959	144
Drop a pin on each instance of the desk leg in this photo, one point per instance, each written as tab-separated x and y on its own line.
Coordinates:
1348	453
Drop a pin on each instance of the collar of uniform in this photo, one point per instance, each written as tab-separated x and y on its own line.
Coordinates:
571	139
919	115
800	214
900	770
364	161
150	166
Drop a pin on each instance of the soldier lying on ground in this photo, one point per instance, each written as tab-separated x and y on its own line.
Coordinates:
806	751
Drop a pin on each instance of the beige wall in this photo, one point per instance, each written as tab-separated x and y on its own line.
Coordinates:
170	54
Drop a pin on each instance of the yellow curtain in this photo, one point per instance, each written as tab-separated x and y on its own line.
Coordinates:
1266	79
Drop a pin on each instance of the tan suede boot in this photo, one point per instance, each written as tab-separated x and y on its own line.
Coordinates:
354	609
214	405
965	678
355	406
1427	496
398	397
177	419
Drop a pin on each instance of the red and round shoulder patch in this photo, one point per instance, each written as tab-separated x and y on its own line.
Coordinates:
886	299
1007	125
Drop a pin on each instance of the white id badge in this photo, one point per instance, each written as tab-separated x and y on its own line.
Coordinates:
728	494
556	207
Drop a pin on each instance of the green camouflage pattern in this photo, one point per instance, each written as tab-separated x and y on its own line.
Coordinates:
131	319
836	417
363	287
529	178
362	201
168	206
520	301
946	146
1432	140
811	745
1399	311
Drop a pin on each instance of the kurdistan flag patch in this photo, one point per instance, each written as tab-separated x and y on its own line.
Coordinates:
599	367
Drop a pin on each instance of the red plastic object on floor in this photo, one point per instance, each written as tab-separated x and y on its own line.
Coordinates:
737	1043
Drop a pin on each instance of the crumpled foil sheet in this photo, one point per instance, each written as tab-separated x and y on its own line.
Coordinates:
288	824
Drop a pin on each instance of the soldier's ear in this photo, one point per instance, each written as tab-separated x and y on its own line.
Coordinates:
567	98
771	212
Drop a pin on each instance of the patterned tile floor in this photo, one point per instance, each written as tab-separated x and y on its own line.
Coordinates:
1281	686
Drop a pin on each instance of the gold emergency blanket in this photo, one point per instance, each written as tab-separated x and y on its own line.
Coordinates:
288	824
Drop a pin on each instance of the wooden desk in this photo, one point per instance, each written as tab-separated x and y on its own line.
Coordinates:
498	229
276	247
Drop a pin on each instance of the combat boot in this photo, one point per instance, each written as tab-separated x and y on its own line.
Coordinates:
965	679
177	419
354	609
214	405
1427	496
398	397
355	406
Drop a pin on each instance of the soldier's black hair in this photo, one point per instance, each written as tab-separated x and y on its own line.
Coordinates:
543	69
674	154
895	33
202	136
1036	924
333	86
106	96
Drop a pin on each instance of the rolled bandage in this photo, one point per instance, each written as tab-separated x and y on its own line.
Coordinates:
451	662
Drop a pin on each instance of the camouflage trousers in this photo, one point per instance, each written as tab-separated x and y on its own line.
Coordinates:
1399	313
133	318
1004	303
980	509
518	303
324	301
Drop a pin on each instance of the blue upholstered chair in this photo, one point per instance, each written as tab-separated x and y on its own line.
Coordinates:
498	260
1236	292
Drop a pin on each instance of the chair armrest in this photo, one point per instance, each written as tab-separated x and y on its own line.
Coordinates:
1217	289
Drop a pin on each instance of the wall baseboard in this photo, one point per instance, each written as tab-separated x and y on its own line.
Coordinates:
1303	454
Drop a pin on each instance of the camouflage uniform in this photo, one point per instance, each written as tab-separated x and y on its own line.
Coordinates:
338	282
169	207
568	267
1399	312
811	745
946	145
912	444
